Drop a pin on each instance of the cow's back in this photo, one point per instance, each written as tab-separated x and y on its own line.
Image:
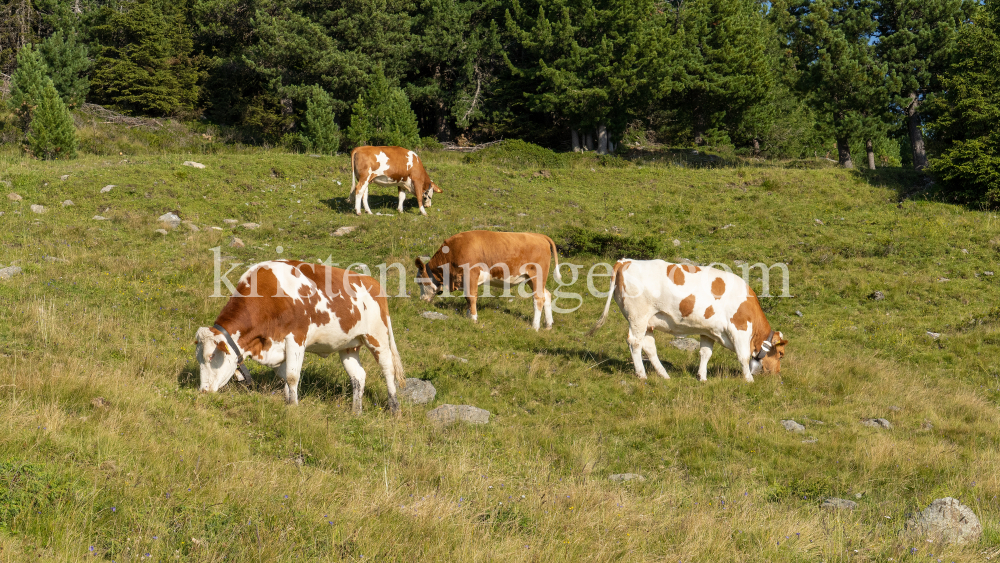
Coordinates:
489	247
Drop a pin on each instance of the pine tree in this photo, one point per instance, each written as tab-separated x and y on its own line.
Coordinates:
917	39
319	128
68	65
382	116
52	134
27	84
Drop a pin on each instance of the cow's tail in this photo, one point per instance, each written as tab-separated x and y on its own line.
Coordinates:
555	256
611	293
354	181
397	362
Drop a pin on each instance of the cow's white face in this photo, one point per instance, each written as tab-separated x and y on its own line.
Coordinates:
428	289
772	361
216	362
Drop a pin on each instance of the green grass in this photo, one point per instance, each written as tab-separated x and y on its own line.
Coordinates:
109	309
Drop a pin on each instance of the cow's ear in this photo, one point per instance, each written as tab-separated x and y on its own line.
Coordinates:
419	263
205	337
435	187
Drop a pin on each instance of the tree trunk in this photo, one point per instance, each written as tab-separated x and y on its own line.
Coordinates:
588	141
602	139
844	153
575	136
756	146
870	149
916	136
699	129
443	131
288	112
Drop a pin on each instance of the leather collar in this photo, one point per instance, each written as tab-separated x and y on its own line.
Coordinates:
247	380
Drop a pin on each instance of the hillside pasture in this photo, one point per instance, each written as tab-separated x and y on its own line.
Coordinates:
108	451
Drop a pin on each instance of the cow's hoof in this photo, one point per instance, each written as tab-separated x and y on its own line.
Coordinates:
642	376
749	379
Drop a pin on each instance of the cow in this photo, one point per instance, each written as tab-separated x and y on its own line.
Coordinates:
688	300
389	166
474	258
285	308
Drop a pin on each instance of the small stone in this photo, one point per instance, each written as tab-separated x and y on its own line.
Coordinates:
55	259
68	203
107	188
946	520
109	465
193	164
839	504
792	426
455	358
934	335
818	222
522	214
677	242
162	231
810	440
894	408
250	226
448	414
877	423
942	280
171	219
236	243
217	228
99	403
876	296
686	344
965	251
799	313
344	230
434	316
191	226
35	208
64	177
230	221
99	218
14	197
417	391
9	272
626	477
987	273
927	425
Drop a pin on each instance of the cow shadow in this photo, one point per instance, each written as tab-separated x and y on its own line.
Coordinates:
378	203
598	360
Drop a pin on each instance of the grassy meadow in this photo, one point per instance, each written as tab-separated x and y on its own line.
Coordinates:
108	452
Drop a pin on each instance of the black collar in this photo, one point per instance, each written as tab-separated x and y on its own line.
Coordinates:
765	347
247	380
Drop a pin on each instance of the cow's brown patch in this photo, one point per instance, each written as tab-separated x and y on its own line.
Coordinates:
675	274
691	269
718	288
749	312
709	312
687	306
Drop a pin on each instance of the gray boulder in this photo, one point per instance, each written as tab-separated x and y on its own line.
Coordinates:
839	504
9	272
236	243
946	520
14	197
417	391
171	219
626	477
793	426
250	226
344	230
686	344
433	316
192	164
449	414
107	188
37	208
877	423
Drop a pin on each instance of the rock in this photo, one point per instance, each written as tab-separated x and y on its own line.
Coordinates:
626	477
344	230
162	231
810	440
35	208
417	391
686	344
677	242
64	177
9	272
217	228
107	188
455	358
543	174
193	164
230	221
191	226
839	504
894	408
68	203
250	226
522	214
793	426
877	423
236	243
433	316
99	403
55	259
946	520
818	222
934	335
14	197
799	313
170	218
987	273
926	426
965	251
99	218
448	414
876	296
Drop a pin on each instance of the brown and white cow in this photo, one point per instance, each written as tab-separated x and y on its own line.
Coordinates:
284	309
473	258
687	300
389	166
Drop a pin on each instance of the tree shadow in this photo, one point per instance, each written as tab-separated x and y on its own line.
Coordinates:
906	182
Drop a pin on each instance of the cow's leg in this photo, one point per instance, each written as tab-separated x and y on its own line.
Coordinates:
742	345
402	196
384	355
472	294
537	285
352	363
548	310
649	347
367	209
360	192
295	354
705	353
636	336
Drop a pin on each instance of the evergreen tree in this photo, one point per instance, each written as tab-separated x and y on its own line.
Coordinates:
52	134
917	39
27	84
963	129
319	128
840	74
68	64
382	116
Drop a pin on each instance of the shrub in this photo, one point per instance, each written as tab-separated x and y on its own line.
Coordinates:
515	153
26	84
612	161
430	143
320	133
52	134
382	116
577	241
68	64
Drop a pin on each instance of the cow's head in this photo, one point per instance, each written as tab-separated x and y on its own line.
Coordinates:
216	360
772	361
429	286
430	193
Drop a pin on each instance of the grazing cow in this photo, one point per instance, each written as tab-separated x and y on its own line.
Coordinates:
389	166
474	258
688	300
286	308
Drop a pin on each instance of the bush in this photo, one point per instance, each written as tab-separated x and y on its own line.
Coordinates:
430	143
515	153
52	133
576	241
27	84
382	116
320	133
612	161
